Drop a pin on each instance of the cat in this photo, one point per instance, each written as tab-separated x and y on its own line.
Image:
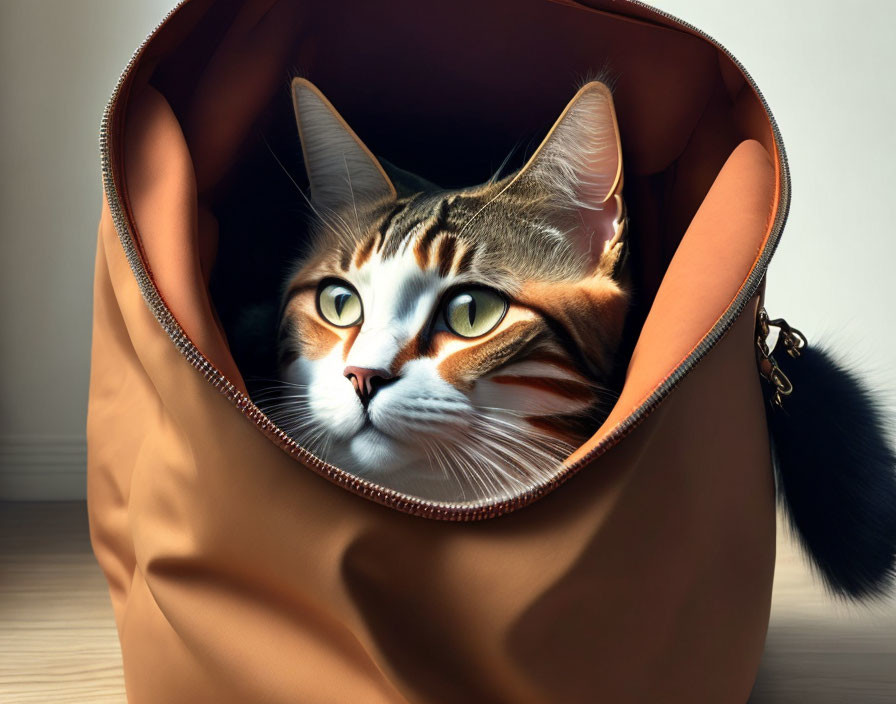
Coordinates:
456	343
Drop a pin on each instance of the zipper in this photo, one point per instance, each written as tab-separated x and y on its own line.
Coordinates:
793	342
389	497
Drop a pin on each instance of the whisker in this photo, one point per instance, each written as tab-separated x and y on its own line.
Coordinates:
346	233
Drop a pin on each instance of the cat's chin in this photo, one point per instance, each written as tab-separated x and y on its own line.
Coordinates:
373	454
385	460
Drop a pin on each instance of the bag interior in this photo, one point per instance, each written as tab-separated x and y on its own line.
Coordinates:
209	159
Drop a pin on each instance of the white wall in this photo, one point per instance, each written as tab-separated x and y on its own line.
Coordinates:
825	67
59	60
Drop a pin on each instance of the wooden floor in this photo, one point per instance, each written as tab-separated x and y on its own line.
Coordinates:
58	642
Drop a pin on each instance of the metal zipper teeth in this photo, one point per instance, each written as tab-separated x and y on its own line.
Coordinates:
389	497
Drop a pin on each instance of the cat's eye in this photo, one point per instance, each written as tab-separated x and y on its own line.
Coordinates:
339	304
474	312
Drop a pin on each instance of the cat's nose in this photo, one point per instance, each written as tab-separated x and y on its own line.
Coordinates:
368	381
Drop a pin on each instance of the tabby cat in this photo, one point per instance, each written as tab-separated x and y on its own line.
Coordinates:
455	344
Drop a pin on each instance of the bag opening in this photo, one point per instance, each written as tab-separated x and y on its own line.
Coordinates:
206	159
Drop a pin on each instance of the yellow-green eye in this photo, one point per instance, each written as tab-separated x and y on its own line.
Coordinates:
339	304
474	312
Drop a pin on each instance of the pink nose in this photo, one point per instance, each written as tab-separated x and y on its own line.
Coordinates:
367	381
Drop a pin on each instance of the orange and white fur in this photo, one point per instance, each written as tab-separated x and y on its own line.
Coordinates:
455	343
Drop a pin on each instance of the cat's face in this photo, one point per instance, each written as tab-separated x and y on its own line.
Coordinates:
455	339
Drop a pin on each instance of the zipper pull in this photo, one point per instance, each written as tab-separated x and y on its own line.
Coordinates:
793	341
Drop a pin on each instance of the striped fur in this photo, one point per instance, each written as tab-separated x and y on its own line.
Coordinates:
463	418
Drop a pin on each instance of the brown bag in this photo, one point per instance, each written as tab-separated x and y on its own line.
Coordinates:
243	570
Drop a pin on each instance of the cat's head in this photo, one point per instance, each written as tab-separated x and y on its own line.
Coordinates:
455	343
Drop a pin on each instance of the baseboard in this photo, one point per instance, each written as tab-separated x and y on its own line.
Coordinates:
43	469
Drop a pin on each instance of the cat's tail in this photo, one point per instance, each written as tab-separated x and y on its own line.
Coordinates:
836	472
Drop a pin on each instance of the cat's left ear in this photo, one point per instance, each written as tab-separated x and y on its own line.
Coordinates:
577	170
341	170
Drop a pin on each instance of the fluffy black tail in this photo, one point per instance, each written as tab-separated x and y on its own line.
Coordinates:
837	473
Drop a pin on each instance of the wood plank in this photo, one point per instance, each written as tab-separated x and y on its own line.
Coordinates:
820	650
58	641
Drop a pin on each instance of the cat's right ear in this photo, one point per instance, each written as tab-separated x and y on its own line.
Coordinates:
342	171
577	169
